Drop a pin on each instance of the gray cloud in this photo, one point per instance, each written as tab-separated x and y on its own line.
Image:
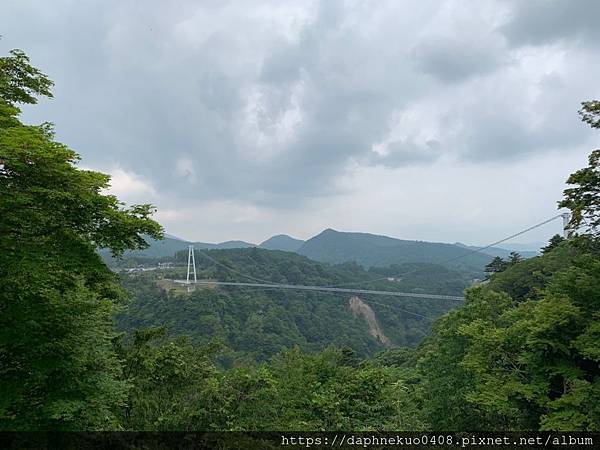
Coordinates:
453	60
404	152
540	22
270	104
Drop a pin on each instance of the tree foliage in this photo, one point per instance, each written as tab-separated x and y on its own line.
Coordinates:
520	362
496	265
590	113
58	369
553	243
536	365
584	198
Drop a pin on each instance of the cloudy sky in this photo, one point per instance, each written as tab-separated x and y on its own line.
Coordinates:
432	120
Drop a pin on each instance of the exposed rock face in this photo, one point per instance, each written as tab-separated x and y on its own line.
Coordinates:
359	308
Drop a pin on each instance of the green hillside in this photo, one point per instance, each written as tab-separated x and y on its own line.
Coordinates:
257	323
225	245
372	250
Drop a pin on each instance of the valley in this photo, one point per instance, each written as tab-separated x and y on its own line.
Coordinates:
257	323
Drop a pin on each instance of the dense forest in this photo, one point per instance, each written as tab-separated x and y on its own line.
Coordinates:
257	323
521	353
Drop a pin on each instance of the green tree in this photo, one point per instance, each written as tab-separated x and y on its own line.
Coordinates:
446	383
514	258
590	113
536	365
173	385
553	243
525	280
19	83
496	265
58	369
523	352
297	391
584	198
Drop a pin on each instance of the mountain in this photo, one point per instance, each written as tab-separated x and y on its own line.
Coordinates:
501	252
373	250
157	249
282	242
226	245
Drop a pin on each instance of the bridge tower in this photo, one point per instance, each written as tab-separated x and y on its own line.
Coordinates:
191	264
566	219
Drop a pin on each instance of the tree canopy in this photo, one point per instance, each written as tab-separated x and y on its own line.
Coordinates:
57	365
583	199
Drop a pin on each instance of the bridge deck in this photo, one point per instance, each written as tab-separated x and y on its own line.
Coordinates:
325	289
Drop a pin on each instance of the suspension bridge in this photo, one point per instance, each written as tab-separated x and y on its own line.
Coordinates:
299	287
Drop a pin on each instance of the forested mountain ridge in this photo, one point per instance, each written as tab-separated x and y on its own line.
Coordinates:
374	250
337	247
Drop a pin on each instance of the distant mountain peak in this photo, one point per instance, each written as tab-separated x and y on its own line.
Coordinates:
369	250
233	244
282	242
329	232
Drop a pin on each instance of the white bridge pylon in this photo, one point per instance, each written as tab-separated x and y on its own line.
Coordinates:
191	264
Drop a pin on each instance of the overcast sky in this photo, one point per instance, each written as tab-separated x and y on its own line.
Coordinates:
431	120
